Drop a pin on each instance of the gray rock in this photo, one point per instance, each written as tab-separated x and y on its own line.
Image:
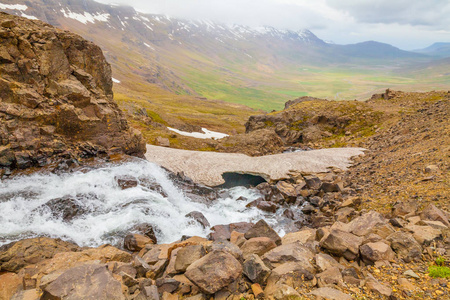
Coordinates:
433	213
424	234
332	276
226	247
364	224
325	261
199	218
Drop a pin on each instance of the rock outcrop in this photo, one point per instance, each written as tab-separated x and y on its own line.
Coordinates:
56	99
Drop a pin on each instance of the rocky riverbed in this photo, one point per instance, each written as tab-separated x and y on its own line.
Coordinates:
329	249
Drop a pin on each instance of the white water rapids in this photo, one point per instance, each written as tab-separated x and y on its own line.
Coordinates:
110	212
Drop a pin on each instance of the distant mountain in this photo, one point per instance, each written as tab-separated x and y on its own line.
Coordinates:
254	66
437	49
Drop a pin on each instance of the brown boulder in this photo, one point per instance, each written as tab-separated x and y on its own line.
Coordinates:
330	294
136	242
259	246
89	281
262	229
433	213
404	244
372	252
9	284
255	269
187	255
342	243
289	253
31	251
364	224
214	271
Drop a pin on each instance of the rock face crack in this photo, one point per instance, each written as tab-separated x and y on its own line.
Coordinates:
208	167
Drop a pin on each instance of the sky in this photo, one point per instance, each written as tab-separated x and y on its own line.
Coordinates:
407	24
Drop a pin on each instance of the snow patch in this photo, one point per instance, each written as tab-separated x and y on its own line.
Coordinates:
28	16
13	6
149	46
86	17
207	134
115	80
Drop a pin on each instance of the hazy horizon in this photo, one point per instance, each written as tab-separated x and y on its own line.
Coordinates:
405	24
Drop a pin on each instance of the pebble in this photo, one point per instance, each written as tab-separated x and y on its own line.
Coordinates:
411	274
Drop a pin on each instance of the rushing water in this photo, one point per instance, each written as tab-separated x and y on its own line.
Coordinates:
107	211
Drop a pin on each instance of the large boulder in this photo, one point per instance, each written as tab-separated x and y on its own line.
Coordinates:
405	245
187	255
56	91
364	224
372	252
342	243
259	246
294	252
17	255
89	281
256	270
433	213
214	271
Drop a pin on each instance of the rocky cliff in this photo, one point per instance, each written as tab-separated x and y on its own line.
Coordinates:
56	99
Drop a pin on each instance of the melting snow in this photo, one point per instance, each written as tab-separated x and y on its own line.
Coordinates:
86	17
13	6
207	134
115	80
149	46
28	16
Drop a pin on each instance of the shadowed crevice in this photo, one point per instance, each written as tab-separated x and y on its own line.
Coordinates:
237	179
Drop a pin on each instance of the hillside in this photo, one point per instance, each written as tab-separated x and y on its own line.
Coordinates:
258	67
437	49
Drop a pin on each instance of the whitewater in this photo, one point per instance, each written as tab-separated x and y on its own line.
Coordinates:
108	212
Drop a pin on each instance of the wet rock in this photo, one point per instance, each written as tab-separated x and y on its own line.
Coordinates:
259	246
66	208
87	281
17	255
267	206
187	255
404	244
373	252
330	293
255	269
342	243
262	229
199	218
433	213
288	213
308	209
214	271
242	227
126	182
147	230
289	253
136	242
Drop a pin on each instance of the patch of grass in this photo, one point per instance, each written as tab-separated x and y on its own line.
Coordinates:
155	117
440	260
439	272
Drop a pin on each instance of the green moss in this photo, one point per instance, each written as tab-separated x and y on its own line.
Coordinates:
268	123
155	117
439	272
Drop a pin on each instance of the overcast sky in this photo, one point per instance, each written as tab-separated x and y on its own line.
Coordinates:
408	24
